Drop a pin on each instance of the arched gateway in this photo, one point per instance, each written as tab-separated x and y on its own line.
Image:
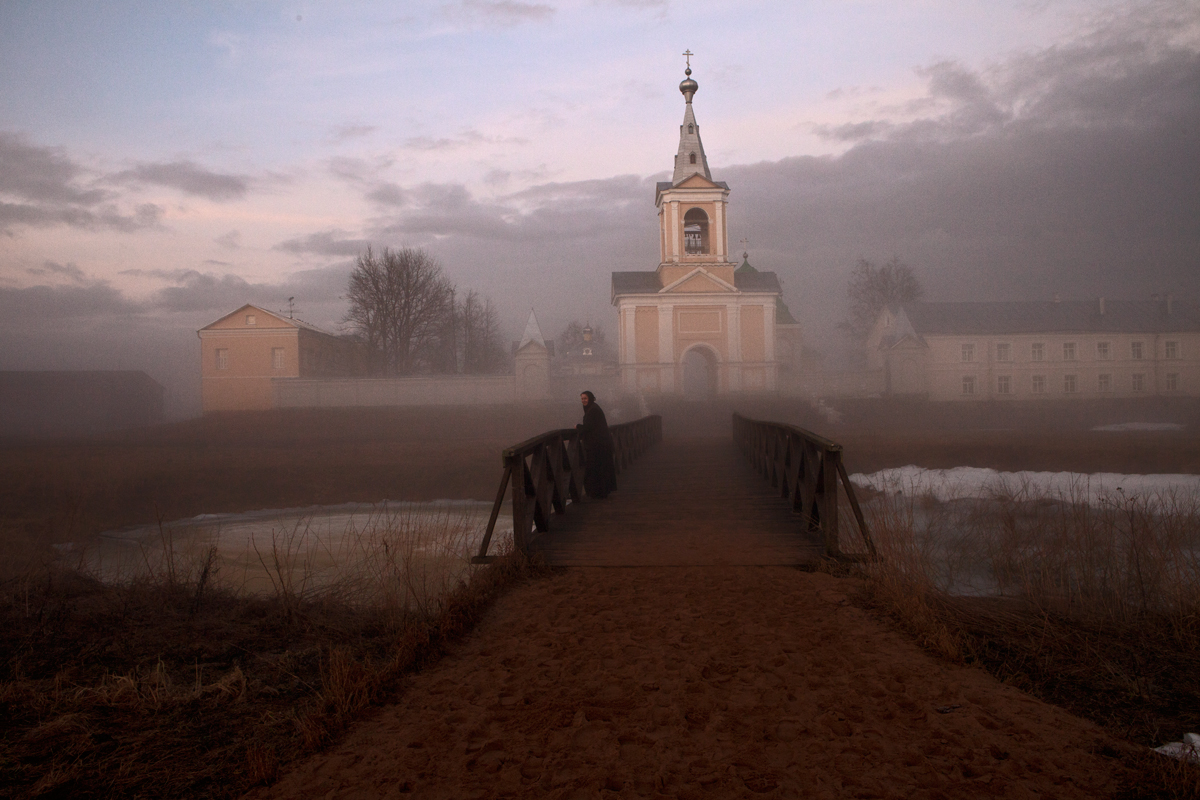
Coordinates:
698	320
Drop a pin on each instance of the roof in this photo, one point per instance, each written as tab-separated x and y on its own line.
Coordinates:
745	267
533	332
1047	316
756	281
635	283
663	186
648	283
783	314
690	159
299	323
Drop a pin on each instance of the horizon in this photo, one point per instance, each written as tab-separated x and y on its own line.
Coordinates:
161	167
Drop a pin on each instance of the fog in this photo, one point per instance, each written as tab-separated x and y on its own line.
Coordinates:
1070	169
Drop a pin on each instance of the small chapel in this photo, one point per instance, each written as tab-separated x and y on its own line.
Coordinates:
699	324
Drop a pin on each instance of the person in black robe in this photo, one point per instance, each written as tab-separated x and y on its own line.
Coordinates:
601	472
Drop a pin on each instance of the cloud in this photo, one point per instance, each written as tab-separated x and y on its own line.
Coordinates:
231	240
468	138
503	13
37	305
325	243
345	133
42	174
1128	72
188	178
388	194
358	170
161	274
49	269
43	187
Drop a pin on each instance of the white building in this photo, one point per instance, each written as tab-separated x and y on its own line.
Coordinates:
1038	350
699	324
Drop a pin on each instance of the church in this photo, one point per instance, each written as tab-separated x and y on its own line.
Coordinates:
700	324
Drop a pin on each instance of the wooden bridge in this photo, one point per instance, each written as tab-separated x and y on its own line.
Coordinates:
771	494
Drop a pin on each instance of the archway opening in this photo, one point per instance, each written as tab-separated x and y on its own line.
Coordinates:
699	374
695	232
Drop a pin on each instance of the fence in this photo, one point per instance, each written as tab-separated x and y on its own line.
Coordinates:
548	471
806	468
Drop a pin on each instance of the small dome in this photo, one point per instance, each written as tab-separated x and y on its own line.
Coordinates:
688	86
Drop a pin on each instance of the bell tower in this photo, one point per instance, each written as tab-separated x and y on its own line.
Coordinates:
691	207
696	325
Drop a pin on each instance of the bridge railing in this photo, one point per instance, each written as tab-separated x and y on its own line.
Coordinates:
806	468
549	470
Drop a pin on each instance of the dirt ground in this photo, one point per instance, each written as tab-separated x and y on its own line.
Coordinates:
717	682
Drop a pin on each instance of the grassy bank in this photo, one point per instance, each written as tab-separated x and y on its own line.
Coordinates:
172	685
1093	608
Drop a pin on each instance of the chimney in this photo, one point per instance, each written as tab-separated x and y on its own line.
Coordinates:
1102	306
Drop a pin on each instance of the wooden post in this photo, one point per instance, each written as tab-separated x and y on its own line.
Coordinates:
518	479
483	557
829	503
856	508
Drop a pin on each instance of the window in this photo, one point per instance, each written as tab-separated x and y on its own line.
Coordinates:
1172	381
1068	351
1172	350
691	128
968	384
1070	384
1135	351
222	358
692	158
1104	383
1003	384
1139	382
1004	352
1038	384
1037	351
276	358
587	351
1103	351
251	320
968	352
695	232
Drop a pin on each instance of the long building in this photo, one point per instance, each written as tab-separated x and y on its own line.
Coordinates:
1038	350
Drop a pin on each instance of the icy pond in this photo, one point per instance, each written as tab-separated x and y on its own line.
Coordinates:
355	547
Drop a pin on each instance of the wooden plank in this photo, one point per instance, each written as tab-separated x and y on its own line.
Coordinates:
491	526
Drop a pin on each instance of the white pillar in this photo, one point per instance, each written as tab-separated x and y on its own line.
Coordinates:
769	346
734	346
719	219
666	348
769	332
674	230
629	333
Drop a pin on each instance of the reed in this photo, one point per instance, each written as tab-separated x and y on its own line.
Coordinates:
1094	606
177	680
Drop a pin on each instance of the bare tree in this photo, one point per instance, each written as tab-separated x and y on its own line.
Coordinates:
398	305
871	289
482	349
573	337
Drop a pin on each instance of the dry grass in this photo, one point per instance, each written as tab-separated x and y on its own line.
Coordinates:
175	684
1096	609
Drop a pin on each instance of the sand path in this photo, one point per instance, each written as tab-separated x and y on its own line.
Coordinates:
703	681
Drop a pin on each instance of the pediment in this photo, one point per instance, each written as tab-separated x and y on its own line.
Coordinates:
698	281
696	181
263	319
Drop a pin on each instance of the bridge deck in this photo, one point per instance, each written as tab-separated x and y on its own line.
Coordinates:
685	502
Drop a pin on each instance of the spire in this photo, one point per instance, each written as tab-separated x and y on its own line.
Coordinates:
690	159
533	332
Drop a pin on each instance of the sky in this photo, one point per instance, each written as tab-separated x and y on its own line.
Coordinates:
163	163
